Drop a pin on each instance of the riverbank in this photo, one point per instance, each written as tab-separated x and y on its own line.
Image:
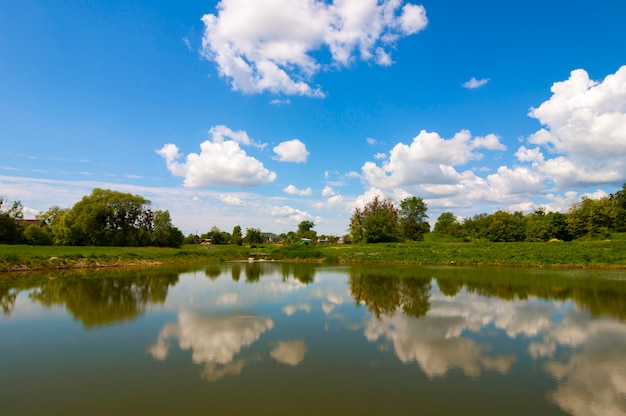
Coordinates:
576	254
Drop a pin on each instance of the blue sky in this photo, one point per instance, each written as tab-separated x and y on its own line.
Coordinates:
265	113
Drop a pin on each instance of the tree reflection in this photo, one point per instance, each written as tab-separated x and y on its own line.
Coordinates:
100	301
385	291
235	272
7	299
303	273
253	272
597	295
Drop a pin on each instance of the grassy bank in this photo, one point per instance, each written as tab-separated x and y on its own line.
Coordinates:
597	254
24	257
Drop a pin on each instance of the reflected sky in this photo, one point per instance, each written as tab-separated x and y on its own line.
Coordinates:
435	330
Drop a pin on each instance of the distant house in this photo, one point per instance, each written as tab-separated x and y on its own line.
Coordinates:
305	240
26	223
271	238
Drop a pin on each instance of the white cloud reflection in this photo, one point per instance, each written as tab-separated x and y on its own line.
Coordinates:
289	352
214	340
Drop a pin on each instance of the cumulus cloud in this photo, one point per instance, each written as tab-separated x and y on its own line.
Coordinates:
328	191
230	199
292	190
584	124
429	158
287	214
272	45
291	151
221	161
474	83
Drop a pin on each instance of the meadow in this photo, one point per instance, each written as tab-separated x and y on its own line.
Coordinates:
433	251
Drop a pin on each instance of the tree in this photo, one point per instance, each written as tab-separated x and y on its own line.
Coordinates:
376	222
305	230
446	224
236	236
164	234
108	218
591	216
413	218
253	235
10	215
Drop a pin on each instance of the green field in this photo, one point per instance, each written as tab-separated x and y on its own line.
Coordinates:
597	254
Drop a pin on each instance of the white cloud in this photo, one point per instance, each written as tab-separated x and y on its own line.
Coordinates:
287	214
371	141
292	190
428	159
474	83
328	191
231	200
220	162
585	124
291	151
270	45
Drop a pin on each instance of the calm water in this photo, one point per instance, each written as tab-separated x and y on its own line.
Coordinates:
277	339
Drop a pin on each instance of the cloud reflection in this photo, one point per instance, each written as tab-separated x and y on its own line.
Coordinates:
214	340
427	342
289	352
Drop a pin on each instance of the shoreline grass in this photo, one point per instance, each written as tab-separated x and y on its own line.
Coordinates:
433	251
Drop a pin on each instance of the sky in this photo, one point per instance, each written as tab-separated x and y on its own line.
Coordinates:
266	113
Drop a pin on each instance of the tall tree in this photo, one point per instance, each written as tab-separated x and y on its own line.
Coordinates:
10	215
413	218
446	224
376	222
236	236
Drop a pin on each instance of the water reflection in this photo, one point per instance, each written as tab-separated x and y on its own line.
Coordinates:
289	352
556	338
385	290
214	340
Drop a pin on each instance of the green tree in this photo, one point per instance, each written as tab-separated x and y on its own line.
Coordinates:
10	216
108	218
59	222
37	235
376	222
236	236
413	218
164	234
591	217
446	224
305	230
253	236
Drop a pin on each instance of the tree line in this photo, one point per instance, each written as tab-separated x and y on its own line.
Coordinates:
589	218
103	218
382	220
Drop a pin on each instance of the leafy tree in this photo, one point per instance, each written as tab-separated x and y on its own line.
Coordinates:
236	236
446	224
59	222
253	236
10	215
305	226
505	227
590	217
37	235
305	230
376	222
619	201
164	234
108	218
413	218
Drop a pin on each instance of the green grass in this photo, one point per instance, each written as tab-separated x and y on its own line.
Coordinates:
432	251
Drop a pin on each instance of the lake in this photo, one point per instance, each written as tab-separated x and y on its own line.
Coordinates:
291	339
